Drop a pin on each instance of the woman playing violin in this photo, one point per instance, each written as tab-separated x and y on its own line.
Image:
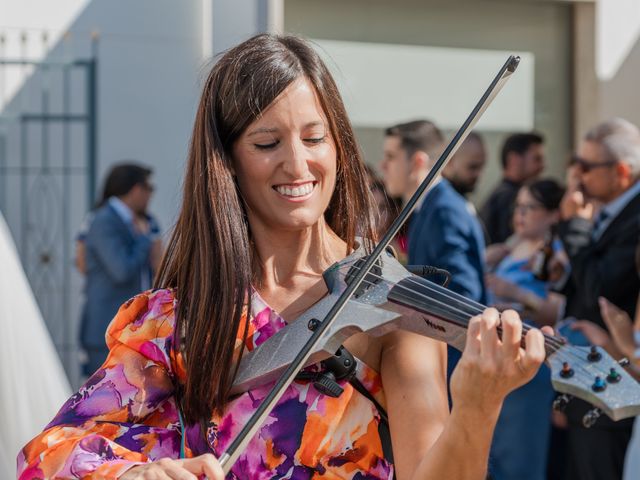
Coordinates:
275	192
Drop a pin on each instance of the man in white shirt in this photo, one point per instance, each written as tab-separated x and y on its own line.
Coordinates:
122	248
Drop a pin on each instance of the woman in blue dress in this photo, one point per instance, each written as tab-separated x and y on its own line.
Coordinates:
520	445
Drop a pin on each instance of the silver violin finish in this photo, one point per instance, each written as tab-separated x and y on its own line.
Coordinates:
391	298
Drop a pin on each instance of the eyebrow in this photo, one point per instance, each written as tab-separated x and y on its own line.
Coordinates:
262	130
274	130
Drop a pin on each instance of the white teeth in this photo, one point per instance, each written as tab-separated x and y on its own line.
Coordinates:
299	191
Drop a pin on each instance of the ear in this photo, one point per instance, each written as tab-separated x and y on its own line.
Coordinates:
420	161
624	171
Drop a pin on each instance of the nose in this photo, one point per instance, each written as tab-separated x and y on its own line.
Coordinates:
295	163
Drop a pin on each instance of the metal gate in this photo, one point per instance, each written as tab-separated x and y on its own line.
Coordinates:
47	181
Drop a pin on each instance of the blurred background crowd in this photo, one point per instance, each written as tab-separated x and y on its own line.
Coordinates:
538	211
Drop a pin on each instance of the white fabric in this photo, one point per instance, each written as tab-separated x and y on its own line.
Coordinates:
33	385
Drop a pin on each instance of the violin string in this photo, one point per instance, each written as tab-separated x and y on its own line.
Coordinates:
476	307
554	344
562	354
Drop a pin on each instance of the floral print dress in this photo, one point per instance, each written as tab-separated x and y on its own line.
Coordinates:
126	413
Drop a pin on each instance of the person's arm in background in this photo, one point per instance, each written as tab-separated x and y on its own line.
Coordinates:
623	332
543	311
120	261
81	256
575	228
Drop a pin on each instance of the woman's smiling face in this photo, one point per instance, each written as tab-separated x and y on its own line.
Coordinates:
285	162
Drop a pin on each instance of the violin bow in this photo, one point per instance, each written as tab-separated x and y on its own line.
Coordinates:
240	442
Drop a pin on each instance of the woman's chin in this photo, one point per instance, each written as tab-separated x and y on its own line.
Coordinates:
294	224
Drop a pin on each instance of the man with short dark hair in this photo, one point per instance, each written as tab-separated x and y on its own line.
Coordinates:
122	248
442	232
522	160
602	254
465	167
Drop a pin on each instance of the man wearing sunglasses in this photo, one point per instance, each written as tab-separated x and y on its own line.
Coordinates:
601	246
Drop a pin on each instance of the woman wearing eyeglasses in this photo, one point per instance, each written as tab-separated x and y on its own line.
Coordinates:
518	281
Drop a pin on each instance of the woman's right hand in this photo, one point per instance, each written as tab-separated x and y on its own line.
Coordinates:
182	469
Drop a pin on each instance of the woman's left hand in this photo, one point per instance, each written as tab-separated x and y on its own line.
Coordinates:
493	365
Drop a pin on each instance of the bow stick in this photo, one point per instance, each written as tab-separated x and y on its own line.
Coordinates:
229	457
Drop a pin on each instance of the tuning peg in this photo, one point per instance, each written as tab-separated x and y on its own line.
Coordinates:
614	376
624	362
567	371
591	417
594	355
599	385
561	402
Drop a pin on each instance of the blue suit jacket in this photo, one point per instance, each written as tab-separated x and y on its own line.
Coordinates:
445	234
116	259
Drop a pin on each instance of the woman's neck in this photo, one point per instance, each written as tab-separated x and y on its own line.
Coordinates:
290	266
527	247
284	255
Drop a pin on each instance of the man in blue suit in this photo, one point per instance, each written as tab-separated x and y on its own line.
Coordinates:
443	232
122	248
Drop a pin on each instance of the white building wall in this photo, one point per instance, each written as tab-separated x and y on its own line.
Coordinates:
618	58
150	66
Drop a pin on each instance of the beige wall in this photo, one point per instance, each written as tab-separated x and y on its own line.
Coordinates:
617	55
620	96
539	27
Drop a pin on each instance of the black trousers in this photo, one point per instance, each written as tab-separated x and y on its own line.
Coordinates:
596	453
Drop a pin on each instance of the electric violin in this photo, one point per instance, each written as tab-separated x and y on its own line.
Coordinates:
390	297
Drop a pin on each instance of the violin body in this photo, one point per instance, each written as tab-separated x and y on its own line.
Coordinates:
369	310
392	298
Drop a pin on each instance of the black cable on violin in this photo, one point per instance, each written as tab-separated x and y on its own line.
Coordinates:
240	442
428	270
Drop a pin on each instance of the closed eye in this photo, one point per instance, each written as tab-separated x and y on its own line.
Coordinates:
315	140
266	146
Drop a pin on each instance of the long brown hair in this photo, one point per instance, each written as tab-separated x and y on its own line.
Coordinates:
209	256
